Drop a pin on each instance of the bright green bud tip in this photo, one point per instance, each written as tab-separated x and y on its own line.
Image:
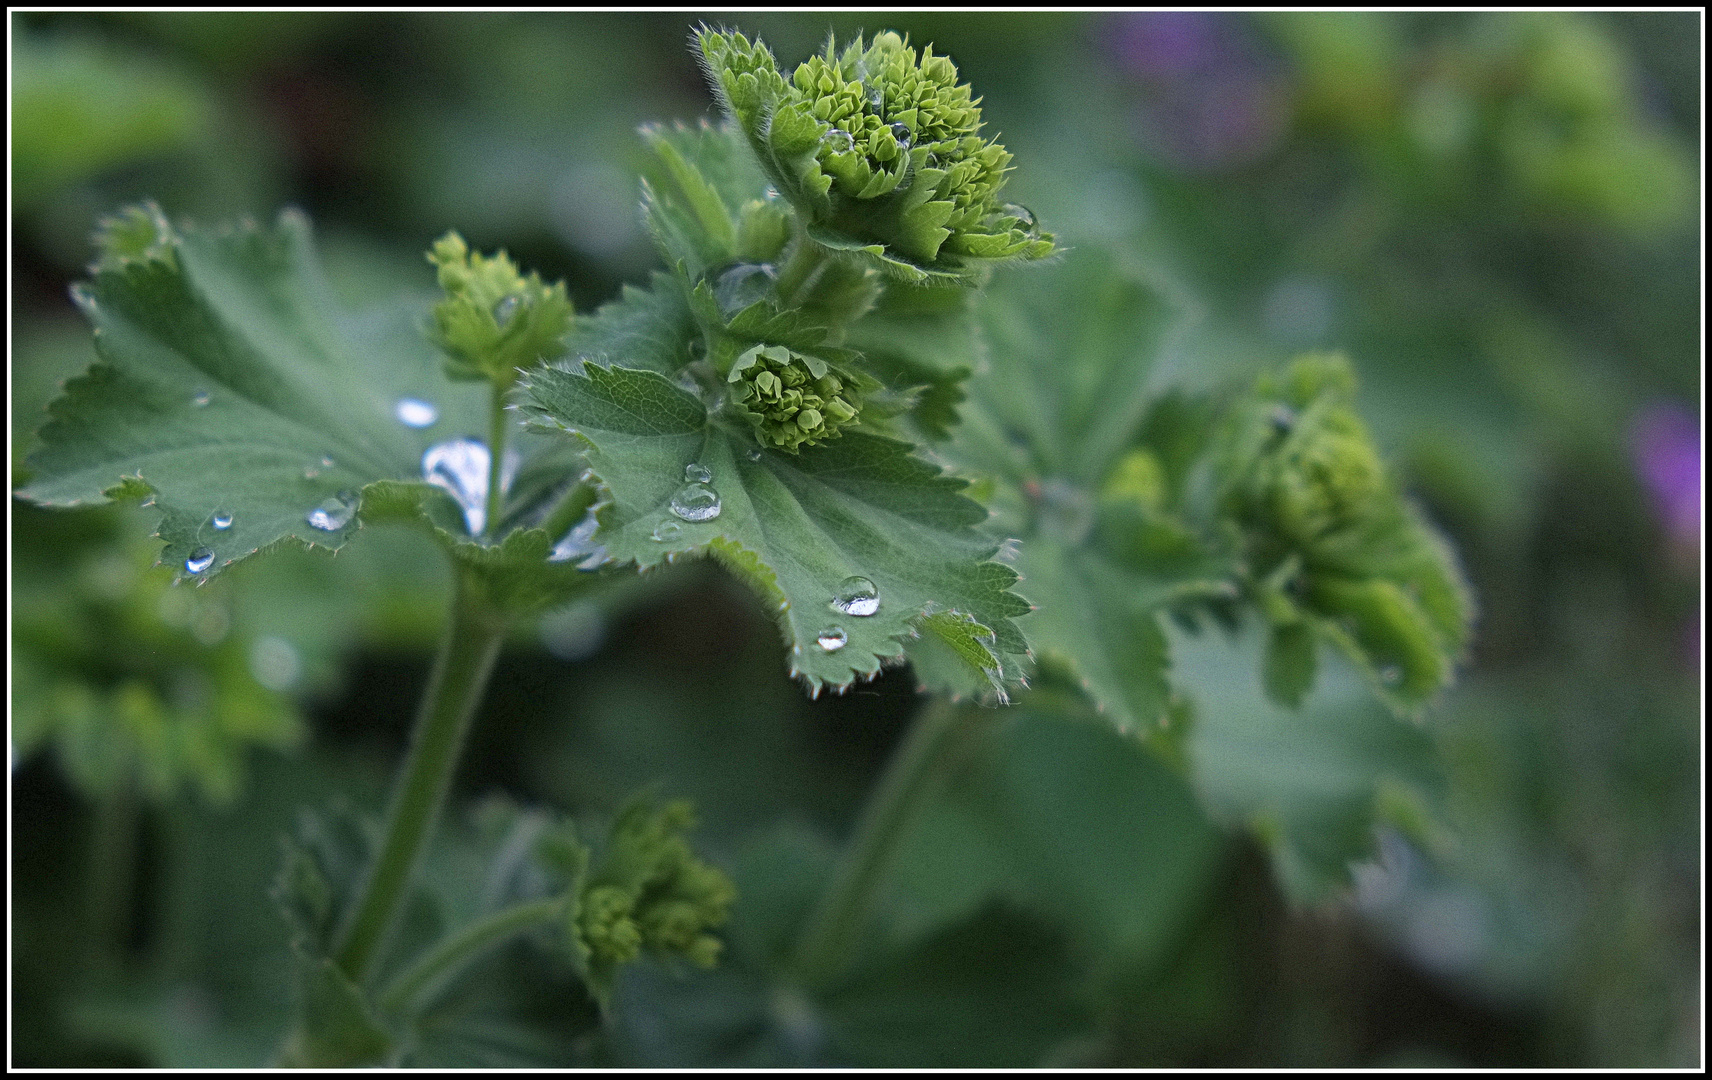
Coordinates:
880	148
134	234
790	399
493	319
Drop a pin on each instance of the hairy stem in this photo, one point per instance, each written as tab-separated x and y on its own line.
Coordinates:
462	948
831	934
804	265
496	461
455	688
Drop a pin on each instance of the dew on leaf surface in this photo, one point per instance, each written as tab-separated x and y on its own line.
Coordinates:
695	502
838	141
901	133
221	521
334	513
667	531
504	310
697	473
459	467
415	413
743	285
832	638
857	596
201	398
200	559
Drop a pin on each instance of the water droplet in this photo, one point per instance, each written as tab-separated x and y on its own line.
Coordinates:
877	101
200	559
742	285
579	545
221	521
901	133
201	398
1025	217
667	531
274	663
771	193
857	596
696	502
459	467
832	638
1391	675
754	453
504	310
334	513
697	473
416	413
838	141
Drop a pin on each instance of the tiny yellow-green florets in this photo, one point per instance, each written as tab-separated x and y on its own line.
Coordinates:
792	400
881	147
494	320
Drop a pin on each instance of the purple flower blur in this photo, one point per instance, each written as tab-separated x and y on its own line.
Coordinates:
1665	441
1210	100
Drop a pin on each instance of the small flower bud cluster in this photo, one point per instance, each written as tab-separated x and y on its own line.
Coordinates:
792	400
651	892
494	320
881	147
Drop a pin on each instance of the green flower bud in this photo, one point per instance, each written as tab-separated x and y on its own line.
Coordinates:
606	925
494	320
792	400
879	148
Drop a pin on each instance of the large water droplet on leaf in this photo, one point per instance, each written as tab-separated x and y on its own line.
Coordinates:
334	513
416	413
696	502
221	521
697	473
504	310
901	133
838	141
667	531
459	467
832	638
857	596
200	559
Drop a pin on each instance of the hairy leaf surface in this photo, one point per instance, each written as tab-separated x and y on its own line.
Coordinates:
794	527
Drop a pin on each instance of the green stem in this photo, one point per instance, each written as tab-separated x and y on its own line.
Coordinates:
496	461
454	690
832	933
800	270
457	951
112	872
569	511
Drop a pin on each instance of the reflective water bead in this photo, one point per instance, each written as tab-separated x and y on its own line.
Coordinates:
459	467
416	413
832	638
901	133
504	310
667	531
334	513
838	141
697	473
743	285
200	559
1025	216
221	521
754	453
201	398
857	596
696	502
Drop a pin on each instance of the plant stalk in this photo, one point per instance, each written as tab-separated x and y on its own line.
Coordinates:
496	462
832	933
800	270
569	511
466	945
455	688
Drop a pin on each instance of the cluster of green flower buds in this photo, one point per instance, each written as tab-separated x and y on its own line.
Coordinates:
879	147
494	320
1332	548
793	400
651	892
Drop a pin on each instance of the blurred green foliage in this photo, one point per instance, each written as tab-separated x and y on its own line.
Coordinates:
1493	214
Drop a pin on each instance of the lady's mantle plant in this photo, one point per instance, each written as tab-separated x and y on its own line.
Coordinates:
794	396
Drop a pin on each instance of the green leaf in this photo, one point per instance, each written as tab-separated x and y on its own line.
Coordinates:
231	384
695	191
1070	349
644	328
1311	782
793	527
337	1029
